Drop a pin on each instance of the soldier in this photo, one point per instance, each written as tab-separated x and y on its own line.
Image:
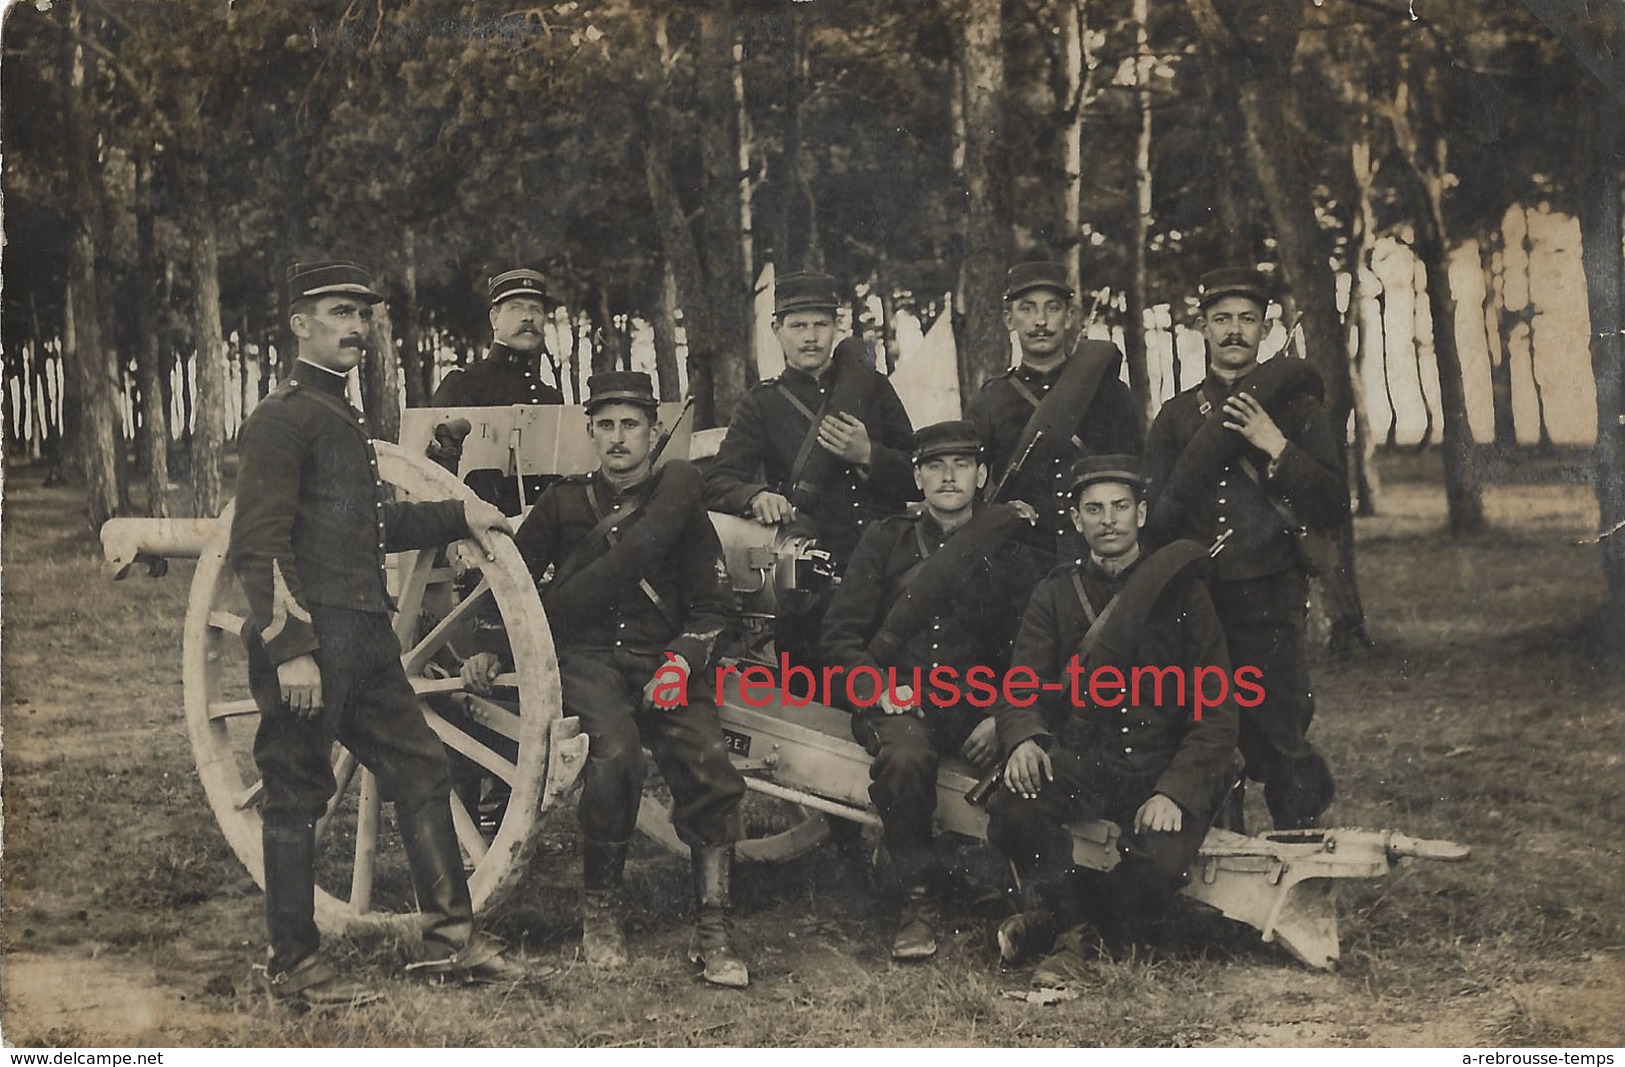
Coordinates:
639	584
1141	759
827	440
1040	417
507	375
1249	454
925	591
308	540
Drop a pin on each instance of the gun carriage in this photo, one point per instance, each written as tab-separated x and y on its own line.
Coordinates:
799	759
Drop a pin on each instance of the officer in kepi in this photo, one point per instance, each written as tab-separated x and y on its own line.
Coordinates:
638	602
1062	402
1133	751
826	443
312	525
508	374
924	592
1250	455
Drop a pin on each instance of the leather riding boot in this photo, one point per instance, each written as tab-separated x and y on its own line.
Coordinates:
290	889
712	946
297	971
918	925
452	950
603	939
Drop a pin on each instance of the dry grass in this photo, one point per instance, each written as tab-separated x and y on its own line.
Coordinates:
1485	715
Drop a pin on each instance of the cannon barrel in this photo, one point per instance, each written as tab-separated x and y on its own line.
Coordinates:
153	542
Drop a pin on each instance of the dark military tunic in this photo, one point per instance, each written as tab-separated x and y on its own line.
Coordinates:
1108	761
610	649
312	524
975	632
1000	410
503	378
766	434
1261	592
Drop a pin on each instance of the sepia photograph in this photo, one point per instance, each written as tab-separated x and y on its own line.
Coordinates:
802	523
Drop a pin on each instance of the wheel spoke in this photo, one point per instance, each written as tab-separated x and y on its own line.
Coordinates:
414	568
482	754
230	709
344	769
419	654
468	830
366	844
248	796
226	621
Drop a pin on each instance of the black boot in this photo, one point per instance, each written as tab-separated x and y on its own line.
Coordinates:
1300	793
296	970
918	925
603	939
1031	931
451	947
713	924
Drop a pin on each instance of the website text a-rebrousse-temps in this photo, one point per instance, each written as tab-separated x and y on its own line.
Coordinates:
981	686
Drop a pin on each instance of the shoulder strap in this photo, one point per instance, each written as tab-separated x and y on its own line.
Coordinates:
813	466
611	540
1058	413
932	585
598	537
1282	508
1118	627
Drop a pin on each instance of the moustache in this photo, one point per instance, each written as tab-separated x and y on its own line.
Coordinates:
1234	339
353	342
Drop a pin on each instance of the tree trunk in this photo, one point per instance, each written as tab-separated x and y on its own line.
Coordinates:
152	444
721	333
209	428
1506	433
381	378
1604	261
665	331
92	364
1139	376
1363	459
1528	245
985	342
414	368
1071	15
575	359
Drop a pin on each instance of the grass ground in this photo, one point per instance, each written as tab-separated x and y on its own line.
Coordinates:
1485	715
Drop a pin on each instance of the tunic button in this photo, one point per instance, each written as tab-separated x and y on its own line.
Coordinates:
1221	500
1127	750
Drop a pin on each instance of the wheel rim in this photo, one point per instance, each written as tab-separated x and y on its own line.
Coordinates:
221	718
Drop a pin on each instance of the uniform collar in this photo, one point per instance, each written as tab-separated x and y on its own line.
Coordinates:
501	353
1122	570
607	487
1033	375
796	374
934	529
321	379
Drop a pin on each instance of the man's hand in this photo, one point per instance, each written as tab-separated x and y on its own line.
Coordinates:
675	666
902	705
771	509
480	671
1245	415
981	748
1027	769
301	683
1159	815
846	436
485	524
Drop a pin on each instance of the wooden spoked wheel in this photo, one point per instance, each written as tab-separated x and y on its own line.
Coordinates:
361	874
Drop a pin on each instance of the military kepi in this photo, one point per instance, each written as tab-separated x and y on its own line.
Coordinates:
1038	274
1233	281
521	282
621	387
804	290
1124	470
330	277
954	438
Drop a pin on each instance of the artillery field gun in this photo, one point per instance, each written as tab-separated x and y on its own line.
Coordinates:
1282	884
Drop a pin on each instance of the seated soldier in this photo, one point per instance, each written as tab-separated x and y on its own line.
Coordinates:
1145	761
639	583
925	591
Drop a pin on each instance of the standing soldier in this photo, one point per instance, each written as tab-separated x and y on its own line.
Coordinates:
1042	416
1249	455
1148	761
924	591
639	595
827	441
508	374
308	539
